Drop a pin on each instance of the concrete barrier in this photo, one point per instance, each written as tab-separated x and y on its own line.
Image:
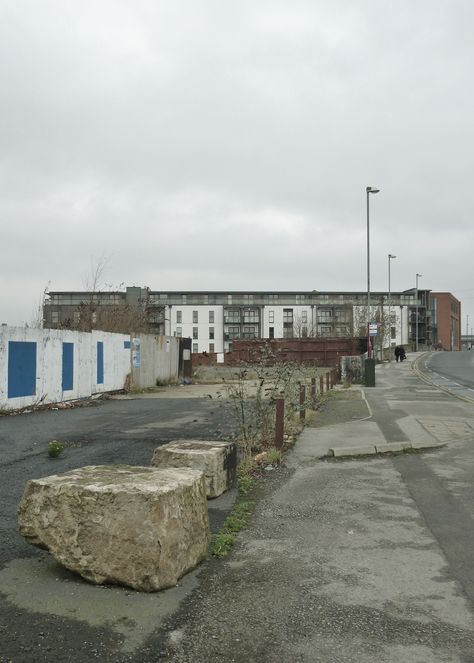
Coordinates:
217	459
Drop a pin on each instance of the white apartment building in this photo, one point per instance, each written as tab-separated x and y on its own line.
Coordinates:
214	319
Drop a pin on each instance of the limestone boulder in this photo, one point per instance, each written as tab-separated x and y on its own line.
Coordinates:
217	459
135	526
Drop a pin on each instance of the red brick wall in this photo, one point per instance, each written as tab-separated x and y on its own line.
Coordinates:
317	351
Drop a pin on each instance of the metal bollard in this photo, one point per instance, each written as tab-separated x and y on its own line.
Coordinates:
279	422
302	400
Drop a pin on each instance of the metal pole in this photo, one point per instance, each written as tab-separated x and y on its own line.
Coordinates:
467	329
390	257
369	190
369	345
416	313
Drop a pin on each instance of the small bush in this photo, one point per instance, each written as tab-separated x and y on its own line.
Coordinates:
221	544
55	448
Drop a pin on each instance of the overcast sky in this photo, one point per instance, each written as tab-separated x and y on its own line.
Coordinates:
209	144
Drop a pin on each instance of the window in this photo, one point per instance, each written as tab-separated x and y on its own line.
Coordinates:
94	317
232	316
393	333
229	299
273	298
304	317
195	347
271	316
233	332
250	332
211	347
325	315
325	330
195	317
300	299
288	332
248	299
271	332
211	317
55	317
251	316
179	331
184	298
179	316
304	331
211	333
195	332
288	316
205	299
77	317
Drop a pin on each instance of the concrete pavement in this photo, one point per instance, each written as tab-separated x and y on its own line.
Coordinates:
362	560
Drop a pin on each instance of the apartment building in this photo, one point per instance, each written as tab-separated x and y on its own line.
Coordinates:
446	320
213	319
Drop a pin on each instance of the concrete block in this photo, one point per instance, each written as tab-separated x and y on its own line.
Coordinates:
364	450
392	447
134	526
217	459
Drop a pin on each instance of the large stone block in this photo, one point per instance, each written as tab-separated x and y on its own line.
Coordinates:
134	526
216	459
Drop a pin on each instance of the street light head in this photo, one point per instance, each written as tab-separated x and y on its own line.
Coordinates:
391	256
372	189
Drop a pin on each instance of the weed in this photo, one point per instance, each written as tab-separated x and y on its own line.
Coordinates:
274	456
221	544
55	448
223	541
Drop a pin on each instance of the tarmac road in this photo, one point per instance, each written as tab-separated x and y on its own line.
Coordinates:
46	613
452	371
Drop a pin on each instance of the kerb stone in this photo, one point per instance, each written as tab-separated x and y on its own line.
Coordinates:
135	526
217	459
365	450
392	447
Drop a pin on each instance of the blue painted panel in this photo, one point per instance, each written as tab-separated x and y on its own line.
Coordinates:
126	345
68	366
21	369
100	362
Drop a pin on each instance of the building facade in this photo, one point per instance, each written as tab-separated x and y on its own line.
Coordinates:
446	321
213	319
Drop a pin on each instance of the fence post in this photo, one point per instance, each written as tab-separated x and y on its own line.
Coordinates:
279	422
321	384
302	400
313	391
327	381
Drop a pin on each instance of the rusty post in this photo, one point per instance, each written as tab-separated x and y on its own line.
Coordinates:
302	400
313	391
279	422
321	384
327	381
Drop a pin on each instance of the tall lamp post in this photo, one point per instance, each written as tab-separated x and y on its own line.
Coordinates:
390	258
416	312
467	331
369	190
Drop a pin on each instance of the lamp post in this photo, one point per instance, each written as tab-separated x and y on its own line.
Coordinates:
390	258
416	312
369	190
467	330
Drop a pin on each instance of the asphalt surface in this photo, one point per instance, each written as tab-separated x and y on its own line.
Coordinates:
367	560
47	613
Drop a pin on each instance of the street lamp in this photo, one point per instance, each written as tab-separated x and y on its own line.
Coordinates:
369	190
416	312
390	258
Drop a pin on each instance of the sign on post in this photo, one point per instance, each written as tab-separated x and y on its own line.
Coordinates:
372	329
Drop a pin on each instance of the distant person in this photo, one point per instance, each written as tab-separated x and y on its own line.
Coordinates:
397	353
403	354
